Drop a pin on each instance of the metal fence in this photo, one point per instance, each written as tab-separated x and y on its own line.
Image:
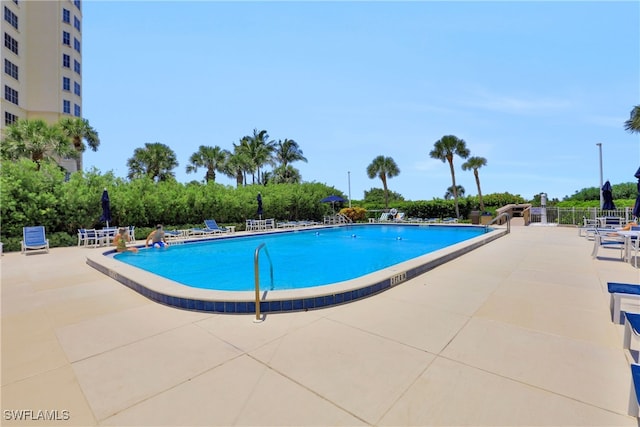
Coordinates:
576	216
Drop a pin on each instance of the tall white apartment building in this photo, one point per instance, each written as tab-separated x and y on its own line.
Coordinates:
42	59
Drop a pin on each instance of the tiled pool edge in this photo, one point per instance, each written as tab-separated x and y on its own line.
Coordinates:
285	301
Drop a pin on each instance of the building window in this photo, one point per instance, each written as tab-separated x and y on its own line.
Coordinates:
66	83
76	66
9	118
66	61
66	16
76	44
66	38
10	95
11	43
66	106
76	88
77	3
76	23
11	17
11	68
76	110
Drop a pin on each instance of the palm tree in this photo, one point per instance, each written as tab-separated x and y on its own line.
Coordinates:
476	163
383	168
239	163
259	150
285	153
36	140
288	151
286	175
155	160
79	129
212	158
449	194
444	149
633	124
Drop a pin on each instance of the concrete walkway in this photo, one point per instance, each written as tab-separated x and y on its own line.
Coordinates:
515	333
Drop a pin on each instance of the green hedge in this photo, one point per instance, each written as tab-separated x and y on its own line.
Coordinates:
32	197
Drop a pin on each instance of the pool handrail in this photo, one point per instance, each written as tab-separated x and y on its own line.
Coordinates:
508	220
256	270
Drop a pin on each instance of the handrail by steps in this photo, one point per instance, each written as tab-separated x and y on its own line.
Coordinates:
256	269
344	219
503	214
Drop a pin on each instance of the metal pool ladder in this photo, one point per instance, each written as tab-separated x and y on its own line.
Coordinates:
256	273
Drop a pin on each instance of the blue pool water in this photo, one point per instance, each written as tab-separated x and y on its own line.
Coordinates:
300	259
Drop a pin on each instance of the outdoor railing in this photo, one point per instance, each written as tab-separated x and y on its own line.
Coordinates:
576	216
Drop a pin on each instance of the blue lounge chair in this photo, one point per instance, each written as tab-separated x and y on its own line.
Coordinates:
172	234
624	297
611	222
631	340
608	239
212	226
34	238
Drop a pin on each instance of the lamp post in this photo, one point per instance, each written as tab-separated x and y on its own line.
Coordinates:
599	144
349	181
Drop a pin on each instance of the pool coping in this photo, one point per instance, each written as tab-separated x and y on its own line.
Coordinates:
174	294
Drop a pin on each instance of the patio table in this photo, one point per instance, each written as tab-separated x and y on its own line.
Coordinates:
628	236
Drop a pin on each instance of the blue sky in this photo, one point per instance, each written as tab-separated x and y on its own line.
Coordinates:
530	86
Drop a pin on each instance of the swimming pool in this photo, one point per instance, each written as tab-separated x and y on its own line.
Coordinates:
335	262
304	259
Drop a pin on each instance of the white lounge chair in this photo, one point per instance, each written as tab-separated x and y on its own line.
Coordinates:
399	217
588	227
631	340
287	224
385	216
34	238
608	240
624	297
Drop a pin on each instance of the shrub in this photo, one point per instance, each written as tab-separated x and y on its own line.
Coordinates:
354	213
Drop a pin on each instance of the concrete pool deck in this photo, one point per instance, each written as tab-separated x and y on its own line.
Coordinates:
517	332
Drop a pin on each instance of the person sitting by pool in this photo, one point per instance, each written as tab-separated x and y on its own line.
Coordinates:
157	238
121	239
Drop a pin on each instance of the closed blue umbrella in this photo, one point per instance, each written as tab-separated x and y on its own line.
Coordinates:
106	208
636	207
259	198
607	197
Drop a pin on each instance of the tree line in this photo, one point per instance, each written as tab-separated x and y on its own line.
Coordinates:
443	149
39	141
